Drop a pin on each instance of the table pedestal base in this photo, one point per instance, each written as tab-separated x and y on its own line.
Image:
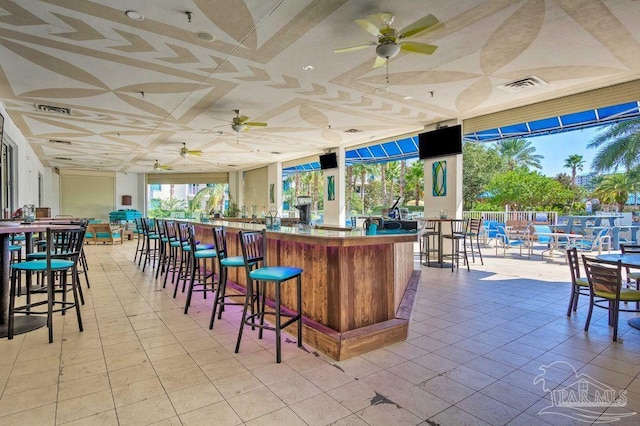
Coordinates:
24	324
634	322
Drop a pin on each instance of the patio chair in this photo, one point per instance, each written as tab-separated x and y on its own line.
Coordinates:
606	291
490	230
598	240
502	236
579	285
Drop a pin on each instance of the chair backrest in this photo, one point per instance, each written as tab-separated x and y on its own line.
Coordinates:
190	235
543	229
64	244
474	225
574	264
169	229
603	276
502	233
628	248
459	226
253	247
220	241
427	226
597	238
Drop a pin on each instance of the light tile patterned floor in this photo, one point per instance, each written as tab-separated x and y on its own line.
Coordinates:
476	343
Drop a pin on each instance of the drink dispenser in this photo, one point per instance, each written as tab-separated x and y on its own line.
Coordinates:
304	207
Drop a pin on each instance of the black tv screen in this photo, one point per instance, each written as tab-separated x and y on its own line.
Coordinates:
441	142
328	161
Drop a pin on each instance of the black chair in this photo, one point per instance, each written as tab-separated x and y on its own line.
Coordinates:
63	249
579	285
473	237
225	262
606	290
253	245
428	240
198	274
458	237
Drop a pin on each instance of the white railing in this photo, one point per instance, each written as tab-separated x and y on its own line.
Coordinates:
521	216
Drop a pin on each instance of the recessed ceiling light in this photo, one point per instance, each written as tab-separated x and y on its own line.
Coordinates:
308	68
381	89
204	36
135	15
406	98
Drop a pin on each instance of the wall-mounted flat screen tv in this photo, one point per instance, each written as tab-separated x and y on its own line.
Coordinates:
329	161
440	142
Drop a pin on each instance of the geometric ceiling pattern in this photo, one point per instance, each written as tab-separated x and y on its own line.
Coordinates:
92	88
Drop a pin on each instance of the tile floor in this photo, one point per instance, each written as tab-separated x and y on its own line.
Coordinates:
475	346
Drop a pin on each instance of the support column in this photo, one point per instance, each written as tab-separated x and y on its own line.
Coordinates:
274	187
334	192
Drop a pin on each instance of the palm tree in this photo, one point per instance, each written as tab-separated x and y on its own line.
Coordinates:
213	197
575	163
415	180
619	146
518	153
614	188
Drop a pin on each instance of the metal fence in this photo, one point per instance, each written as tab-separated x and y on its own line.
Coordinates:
524	216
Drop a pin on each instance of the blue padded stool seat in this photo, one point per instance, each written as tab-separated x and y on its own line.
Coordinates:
39	255
15	247
275	273
41	265
232	262
206	254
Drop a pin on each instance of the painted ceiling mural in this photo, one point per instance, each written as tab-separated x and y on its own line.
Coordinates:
93	88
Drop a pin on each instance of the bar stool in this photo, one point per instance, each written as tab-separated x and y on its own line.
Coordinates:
150	237
253	245
428	235
473	233
61	259
457	236
196	256
139	231
225	262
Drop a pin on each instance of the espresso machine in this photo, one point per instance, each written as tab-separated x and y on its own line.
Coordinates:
304	208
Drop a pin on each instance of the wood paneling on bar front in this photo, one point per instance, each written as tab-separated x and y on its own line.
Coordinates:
352	284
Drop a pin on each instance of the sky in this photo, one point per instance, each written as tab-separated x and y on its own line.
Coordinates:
557	147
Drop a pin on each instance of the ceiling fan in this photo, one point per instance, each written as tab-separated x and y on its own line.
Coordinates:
185	152
391	41
160	167
241	122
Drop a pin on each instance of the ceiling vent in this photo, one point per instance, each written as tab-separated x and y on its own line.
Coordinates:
51	108
63	158
523	84
60	141
352	131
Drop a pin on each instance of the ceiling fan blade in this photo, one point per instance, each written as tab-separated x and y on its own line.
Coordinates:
255	124
427	23
242	119
194	152
352	48
412	46
368	27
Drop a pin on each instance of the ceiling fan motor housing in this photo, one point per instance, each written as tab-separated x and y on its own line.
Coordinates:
387	49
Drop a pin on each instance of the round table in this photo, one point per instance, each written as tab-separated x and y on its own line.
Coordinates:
628	259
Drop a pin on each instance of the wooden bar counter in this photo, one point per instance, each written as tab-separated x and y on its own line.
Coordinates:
357	290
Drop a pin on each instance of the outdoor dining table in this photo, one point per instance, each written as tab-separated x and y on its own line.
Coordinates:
556	237
22	323
631	260
439	222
